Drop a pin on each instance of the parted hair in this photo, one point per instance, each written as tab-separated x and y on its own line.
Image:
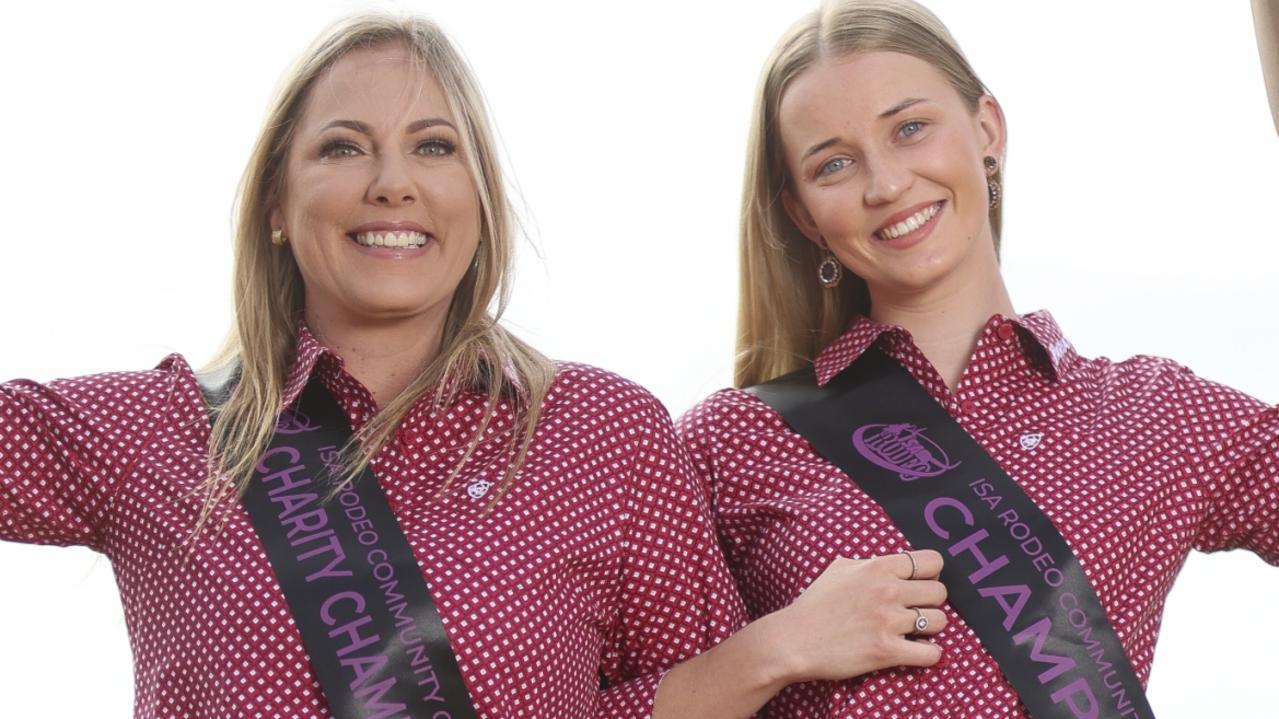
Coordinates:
476	353
784	316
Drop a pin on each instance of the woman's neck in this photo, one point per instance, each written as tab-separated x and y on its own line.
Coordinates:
946	319
384	356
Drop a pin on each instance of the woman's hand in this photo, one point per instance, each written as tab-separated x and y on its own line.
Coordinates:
859	616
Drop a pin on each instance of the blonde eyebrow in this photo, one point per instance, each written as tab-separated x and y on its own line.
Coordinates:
364	129
908	102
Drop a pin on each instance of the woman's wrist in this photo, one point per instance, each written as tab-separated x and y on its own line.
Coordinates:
771	654
732	680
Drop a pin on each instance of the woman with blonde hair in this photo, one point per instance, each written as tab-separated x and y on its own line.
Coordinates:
889	398
398	508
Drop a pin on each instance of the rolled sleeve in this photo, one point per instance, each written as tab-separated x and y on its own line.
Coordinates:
65	448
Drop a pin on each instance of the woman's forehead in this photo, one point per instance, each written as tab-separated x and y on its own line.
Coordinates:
868	83
385	84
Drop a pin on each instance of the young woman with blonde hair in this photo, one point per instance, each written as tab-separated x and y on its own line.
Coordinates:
871	285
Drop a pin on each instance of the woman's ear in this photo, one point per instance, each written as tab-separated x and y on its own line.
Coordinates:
799	215
990	123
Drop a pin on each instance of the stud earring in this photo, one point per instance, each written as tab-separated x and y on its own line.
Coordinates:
277	238
992	186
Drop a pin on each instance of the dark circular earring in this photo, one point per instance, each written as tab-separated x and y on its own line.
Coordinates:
829	272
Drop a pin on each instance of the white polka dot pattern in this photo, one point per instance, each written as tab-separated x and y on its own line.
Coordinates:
1136	463
599	568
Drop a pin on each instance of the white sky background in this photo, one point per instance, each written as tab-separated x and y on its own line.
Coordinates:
1142	170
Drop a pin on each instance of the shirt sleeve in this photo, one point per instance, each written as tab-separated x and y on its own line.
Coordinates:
677	597
697	429
704	431
1236	460
65	447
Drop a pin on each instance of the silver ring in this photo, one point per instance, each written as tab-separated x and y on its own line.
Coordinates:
913	567
921	622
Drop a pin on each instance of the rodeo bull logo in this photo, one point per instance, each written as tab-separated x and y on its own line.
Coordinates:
902	448
294	422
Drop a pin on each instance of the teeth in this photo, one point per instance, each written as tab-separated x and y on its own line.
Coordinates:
391	239
910	224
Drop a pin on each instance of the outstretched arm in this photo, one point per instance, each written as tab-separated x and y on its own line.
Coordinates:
65	446
1265	13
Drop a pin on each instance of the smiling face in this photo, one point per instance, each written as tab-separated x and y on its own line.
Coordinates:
379	208
885	166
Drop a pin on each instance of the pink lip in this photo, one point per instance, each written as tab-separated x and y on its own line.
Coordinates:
391	253
899	216
916	236
389	227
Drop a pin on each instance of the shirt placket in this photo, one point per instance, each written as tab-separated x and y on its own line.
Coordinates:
986	390
990	380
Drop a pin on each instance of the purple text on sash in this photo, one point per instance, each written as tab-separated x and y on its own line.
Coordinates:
411	637
319	550
950	518
905	449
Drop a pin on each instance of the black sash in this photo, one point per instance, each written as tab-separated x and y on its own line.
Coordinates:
1009	572
356	593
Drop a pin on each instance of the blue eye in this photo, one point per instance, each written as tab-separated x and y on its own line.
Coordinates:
911	128
833	165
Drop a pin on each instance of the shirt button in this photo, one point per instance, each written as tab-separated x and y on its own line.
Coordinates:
968	406
1005	331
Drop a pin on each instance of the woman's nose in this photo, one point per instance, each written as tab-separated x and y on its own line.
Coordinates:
887	179
392	186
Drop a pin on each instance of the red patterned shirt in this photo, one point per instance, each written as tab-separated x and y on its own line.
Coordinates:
599	567
1136	463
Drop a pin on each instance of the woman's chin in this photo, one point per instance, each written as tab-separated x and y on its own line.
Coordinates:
925	267
382	309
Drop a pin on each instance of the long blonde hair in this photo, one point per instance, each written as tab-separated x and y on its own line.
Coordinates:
784	317
476	353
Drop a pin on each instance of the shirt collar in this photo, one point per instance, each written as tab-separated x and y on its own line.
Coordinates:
1046	341
1058	353
309	355
311	358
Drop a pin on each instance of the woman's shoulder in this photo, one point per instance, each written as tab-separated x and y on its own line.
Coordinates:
727	407
114	411
594	393
129	389
1134	368
593	413
1152	375
1153	386
733	424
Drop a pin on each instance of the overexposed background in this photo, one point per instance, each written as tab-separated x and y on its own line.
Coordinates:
1142	172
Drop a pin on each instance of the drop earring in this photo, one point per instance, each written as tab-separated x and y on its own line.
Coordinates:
829	272
992	185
